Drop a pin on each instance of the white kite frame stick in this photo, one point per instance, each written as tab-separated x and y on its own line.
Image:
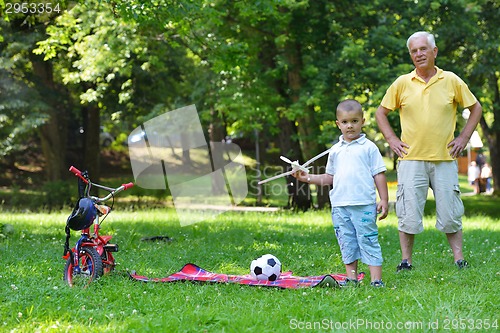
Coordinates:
300	167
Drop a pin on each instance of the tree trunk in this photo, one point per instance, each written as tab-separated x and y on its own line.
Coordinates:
299	194
91	146
322	192
307	122
495	164
216	134
52	149
493	135
53	132
494	138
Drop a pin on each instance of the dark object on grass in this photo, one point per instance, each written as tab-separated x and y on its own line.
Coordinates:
157	238
404	266
461	264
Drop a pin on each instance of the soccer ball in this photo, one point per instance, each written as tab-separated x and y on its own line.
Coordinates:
266	268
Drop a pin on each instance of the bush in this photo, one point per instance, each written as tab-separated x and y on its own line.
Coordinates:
56	194
6	230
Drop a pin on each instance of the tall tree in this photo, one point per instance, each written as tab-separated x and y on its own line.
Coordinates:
116	70
279	67
296	59
30	100
466	47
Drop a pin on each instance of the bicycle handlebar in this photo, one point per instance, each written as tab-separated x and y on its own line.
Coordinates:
112	191
78	173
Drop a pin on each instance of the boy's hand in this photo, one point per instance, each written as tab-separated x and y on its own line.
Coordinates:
382	209
300	175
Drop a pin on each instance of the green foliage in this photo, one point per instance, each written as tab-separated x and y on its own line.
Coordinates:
6	230
22	108
24	99
245	64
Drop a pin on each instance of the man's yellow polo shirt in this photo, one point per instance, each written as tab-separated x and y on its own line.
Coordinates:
428	112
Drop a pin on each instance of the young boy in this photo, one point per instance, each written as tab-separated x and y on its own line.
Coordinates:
354	168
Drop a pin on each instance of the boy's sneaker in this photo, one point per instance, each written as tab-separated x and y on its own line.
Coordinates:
377	284
461	264
404	265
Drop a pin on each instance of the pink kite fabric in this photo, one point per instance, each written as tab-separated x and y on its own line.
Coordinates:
192	272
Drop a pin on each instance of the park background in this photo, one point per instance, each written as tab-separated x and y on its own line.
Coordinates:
266	75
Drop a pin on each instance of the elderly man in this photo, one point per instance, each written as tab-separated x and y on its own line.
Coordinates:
427	100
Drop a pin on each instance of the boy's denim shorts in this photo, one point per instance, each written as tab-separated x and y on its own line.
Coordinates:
414	180
357	234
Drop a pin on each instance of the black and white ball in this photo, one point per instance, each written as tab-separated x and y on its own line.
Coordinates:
266	268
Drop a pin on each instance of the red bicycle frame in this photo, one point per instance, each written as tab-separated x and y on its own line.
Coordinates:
92	255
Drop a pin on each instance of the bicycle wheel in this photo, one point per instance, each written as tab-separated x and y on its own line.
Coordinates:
90	268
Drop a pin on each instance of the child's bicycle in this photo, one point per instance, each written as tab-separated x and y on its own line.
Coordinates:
92	255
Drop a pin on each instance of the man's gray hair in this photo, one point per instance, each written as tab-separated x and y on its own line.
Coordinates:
428	35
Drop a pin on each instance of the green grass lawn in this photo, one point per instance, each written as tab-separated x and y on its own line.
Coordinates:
435	297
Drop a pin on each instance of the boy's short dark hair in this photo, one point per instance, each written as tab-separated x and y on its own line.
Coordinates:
349	105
